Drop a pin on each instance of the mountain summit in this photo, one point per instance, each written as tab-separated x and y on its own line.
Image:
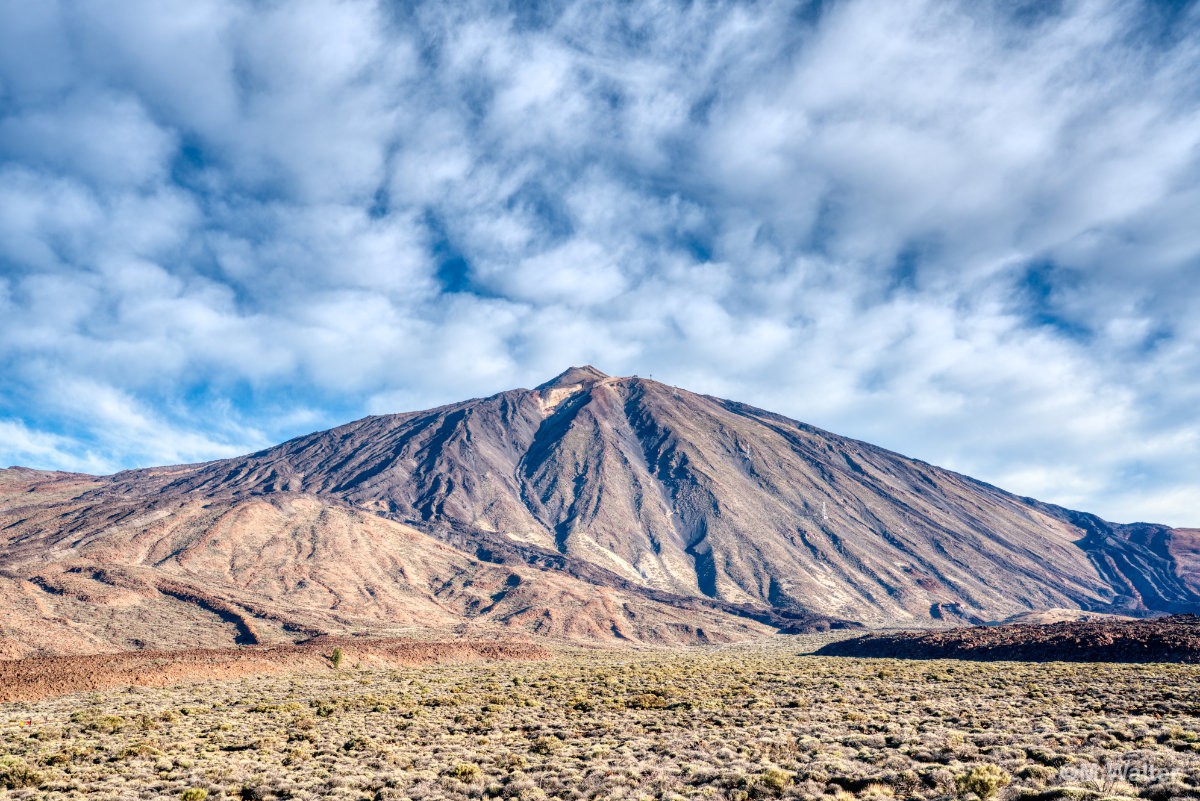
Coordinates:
574	376
588	507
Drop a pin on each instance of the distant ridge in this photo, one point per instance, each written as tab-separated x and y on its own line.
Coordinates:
1165	639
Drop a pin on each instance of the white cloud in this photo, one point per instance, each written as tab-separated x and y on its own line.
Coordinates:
122	424
105	138
27	447
578	273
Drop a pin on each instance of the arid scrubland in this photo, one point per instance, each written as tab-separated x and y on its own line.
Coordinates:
729	723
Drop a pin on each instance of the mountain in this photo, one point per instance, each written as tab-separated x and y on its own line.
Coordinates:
589	507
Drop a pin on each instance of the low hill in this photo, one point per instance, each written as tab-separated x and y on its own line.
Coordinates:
1166	639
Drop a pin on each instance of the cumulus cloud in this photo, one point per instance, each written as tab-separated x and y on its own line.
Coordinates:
104	138
963	231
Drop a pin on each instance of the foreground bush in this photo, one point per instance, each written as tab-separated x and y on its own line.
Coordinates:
983	780
15	774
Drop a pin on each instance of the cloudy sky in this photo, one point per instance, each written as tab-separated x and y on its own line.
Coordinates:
967	231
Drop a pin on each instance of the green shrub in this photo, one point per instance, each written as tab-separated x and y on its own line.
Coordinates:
646	701
194	794
546	745
103	724
1044	756
1037	773
466	772
982	780
511	761
773	781
15	774
336	657
140	749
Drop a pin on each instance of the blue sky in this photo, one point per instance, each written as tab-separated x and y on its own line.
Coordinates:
968	231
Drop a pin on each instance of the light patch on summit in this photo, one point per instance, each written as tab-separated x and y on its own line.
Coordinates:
550	399
567	383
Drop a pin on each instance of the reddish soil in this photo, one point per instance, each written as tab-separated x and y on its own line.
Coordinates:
1166	639
33	679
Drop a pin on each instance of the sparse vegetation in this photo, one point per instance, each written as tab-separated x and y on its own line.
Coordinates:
744	722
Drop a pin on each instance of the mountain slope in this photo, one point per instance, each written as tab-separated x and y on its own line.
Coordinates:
81	573
686	506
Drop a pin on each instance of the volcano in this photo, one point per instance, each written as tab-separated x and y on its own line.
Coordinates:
591	507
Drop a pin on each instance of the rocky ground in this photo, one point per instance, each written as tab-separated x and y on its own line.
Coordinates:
33	679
